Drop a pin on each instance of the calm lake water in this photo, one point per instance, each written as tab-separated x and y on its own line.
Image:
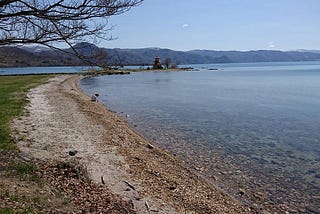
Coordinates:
252	129
41	70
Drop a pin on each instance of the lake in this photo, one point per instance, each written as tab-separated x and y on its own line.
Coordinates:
41	70
252	129
49	70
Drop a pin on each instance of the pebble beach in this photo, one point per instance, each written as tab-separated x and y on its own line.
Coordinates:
60	118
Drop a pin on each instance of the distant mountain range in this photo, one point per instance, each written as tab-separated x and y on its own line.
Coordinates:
40	56
310	51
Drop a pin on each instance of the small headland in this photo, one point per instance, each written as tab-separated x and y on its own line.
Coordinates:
116	71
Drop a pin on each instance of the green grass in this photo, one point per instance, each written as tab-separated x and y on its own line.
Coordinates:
6	211
13	90
26	171
24	168
15	211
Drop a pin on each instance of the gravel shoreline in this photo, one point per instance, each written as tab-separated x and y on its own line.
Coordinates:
60	118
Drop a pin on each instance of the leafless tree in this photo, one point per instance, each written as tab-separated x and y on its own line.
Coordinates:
167	62
48	22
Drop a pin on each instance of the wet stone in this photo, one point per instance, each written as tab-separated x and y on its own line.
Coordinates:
241	192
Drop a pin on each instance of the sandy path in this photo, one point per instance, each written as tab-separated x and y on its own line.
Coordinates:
60	117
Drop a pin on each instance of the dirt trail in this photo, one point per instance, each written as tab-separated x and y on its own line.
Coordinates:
60	118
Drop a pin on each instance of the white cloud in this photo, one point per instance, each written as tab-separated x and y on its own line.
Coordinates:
271	44
185	25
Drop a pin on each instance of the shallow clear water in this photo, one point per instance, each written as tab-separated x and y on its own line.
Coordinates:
252	128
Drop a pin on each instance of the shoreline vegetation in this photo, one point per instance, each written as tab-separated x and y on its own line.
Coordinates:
114	169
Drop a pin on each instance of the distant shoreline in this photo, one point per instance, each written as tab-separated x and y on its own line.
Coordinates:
103	72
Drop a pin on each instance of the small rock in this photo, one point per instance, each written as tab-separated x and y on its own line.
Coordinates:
241	192
172	187
149	146
73	152
131	204
93	98
26	158
311	171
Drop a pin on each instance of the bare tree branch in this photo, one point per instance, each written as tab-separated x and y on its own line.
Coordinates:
47	22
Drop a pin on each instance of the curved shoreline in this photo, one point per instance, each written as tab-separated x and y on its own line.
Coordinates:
62	117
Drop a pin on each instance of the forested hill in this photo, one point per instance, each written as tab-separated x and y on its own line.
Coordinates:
39	56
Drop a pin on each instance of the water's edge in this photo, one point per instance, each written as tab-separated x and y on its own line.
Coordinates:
285	186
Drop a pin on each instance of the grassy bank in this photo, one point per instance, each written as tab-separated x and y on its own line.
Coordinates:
13	172
13	91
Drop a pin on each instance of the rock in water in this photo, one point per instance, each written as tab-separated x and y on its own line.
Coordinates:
241	192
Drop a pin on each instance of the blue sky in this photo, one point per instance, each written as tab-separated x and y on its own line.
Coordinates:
219	25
